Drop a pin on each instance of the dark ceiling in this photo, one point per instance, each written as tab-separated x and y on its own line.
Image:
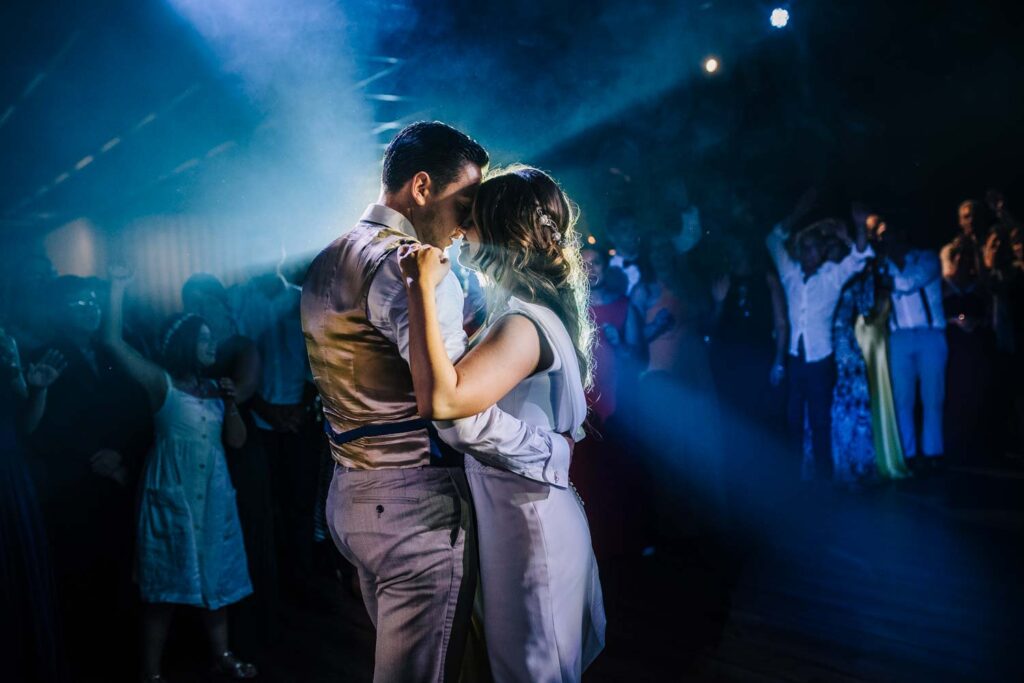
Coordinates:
905	99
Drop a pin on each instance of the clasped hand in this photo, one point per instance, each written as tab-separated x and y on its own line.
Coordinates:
424	264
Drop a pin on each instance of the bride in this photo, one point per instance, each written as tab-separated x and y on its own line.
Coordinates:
543	612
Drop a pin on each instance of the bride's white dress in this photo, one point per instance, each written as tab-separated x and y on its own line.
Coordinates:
543	610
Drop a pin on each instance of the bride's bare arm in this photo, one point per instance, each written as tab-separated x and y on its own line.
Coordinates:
510	352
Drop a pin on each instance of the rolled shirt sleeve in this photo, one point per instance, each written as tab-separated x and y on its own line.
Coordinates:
776	243
493	436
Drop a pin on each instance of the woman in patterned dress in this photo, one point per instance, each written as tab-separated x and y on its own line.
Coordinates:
865	441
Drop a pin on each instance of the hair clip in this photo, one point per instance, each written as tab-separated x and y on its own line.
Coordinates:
548	222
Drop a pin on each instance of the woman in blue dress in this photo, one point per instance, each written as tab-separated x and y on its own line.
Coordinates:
853	450
865	440
190	549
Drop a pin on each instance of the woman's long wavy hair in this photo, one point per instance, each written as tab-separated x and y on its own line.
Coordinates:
530	249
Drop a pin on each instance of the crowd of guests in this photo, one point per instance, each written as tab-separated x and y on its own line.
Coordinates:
873	358
145	469
148	469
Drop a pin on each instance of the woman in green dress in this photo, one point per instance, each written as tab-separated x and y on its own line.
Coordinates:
873	338
865	439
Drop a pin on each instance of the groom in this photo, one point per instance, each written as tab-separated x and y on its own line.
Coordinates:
399	506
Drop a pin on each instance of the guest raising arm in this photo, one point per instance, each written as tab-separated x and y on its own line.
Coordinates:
30	385
146	373
187	513
153	378
812	285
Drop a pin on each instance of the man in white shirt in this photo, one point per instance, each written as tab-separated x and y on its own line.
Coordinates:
813	285
625	238
917	344
399	508
267	310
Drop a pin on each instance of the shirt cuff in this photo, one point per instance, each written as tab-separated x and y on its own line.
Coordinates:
556	471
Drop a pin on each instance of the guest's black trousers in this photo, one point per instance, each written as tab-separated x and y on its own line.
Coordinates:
810	390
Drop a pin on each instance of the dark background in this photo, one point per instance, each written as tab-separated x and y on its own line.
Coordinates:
912	106
223	135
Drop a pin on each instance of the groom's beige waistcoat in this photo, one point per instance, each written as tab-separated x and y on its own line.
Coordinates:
361	377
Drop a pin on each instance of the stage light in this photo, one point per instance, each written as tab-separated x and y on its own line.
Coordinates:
779	17
711	65
591	240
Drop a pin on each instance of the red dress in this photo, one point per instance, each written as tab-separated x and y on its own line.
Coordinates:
602	396
599	464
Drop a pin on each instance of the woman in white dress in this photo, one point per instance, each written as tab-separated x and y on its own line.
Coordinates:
189	541
543	611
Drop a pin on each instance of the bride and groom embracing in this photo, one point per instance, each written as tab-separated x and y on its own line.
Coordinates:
451	480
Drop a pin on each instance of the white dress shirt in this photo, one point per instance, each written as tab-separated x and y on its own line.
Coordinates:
812	301
917	292
493	436
274	324
631	270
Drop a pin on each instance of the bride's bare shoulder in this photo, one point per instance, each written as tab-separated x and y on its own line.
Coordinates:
512	327
516	330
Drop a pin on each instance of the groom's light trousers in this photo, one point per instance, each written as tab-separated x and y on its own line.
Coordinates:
411	535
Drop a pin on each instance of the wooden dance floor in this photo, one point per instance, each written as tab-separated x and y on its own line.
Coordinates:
916	582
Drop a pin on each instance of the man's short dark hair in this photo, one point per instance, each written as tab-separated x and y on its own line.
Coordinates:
433	147
202	285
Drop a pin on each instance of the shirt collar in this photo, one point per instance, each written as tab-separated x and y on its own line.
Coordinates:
389	218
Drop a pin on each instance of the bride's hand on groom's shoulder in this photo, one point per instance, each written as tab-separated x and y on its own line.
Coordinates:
423	264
